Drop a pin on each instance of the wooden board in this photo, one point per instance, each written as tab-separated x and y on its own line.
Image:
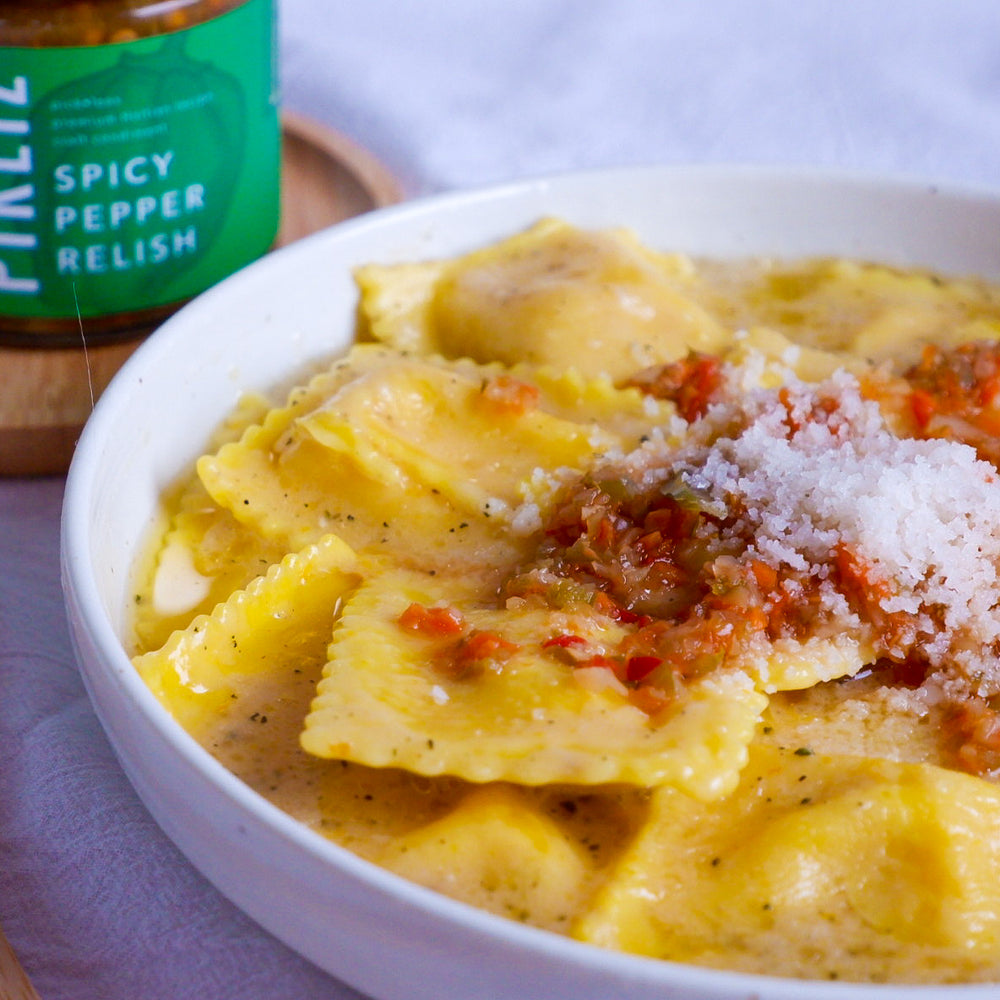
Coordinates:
14	982
47	394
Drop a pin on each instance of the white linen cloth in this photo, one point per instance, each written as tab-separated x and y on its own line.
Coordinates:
95	899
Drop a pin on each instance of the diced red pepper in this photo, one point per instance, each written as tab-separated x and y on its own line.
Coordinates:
434	621
649	699
989	390
605	605
573	649
564	641
856	575
484	646
962	383
608	662
924	407
510	395
690	383
638	668
765	575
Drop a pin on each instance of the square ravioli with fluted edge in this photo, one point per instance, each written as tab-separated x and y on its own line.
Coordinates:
646	599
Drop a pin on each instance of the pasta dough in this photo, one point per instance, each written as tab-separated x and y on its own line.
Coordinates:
554	291
386	701
553	595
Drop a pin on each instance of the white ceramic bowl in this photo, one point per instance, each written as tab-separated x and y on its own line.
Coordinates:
272	321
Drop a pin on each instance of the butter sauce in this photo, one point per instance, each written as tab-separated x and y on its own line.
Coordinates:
838	855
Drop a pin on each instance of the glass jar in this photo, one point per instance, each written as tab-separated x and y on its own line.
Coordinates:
139	160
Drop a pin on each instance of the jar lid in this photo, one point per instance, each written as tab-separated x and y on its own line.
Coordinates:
47	394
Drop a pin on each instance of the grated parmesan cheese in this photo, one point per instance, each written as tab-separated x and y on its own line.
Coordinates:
809	469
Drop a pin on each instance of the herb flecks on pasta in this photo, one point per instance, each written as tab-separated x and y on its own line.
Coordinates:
646	599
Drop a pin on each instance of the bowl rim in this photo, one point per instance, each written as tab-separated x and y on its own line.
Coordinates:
88	617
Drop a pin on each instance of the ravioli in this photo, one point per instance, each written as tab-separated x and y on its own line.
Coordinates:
789	665
282	620
519	714
526	867
857	861
646	599
382	435
864	310
205	553
600	302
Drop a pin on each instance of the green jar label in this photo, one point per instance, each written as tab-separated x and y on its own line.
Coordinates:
137	174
